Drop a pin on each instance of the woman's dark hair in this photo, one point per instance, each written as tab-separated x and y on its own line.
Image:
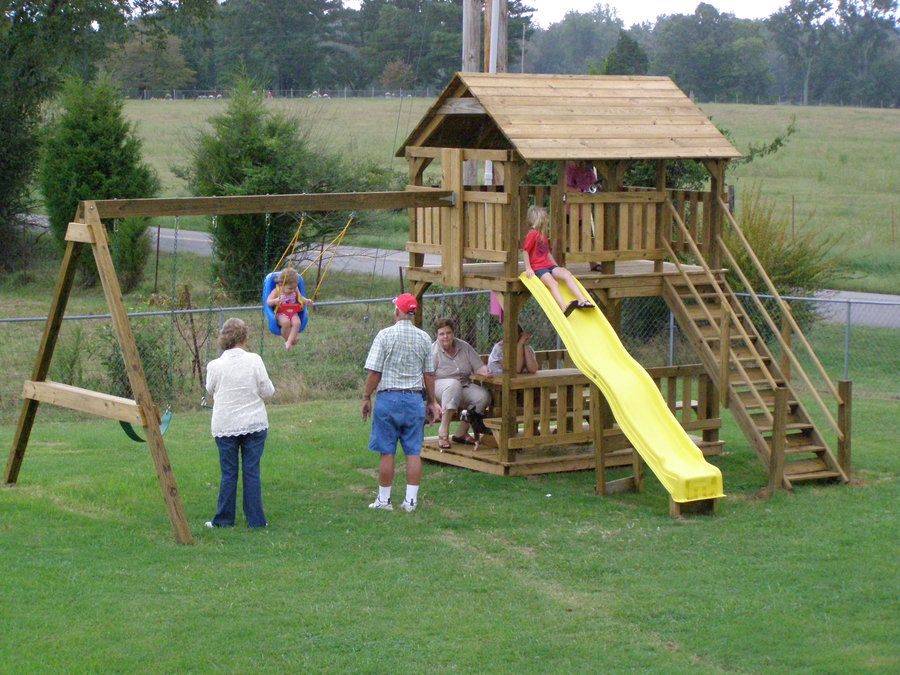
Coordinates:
442	322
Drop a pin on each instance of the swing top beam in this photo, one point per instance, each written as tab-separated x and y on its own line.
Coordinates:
338	201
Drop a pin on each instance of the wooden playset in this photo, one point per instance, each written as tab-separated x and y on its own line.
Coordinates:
642	240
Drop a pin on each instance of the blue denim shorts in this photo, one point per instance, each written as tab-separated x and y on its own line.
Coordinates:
546	270
398	416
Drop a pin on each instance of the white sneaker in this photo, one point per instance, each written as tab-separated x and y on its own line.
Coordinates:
382	506
409	505
209	524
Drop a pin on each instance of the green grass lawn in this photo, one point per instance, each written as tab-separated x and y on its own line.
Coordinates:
490	574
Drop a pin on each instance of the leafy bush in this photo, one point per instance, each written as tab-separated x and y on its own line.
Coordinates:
252	150
798	263
91	152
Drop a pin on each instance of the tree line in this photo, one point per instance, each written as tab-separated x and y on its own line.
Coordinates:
808	51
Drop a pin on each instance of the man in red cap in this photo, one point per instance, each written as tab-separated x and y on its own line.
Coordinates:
401	371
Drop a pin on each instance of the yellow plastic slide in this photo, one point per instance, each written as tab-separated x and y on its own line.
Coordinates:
634	398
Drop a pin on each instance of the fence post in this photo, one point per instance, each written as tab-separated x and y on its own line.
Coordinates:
845	409
777	441
847	341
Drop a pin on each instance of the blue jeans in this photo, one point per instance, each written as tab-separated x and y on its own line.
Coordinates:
249	447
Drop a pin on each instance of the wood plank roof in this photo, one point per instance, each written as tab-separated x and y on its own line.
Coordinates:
568	117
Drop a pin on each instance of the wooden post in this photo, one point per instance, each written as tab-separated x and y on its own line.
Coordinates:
452	235
558	217
845	410
45	353
416	175
502	36
778	440
598	425
724	357
513	216
662	215
787	335
136	376
711	250
508	408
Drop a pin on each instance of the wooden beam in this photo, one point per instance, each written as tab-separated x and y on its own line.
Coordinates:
83	400
778	440
845	417
338	201
79	232
452	236
461	106
42	361
136	377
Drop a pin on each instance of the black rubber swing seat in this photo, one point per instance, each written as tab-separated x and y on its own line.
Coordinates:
164	423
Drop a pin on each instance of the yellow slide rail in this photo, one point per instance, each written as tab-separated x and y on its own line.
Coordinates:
633	397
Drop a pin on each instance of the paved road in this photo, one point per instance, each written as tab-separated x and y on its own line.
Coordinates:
378	261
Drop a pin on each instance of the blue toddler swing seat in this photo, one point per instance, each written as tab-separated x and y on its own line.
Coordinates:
271	281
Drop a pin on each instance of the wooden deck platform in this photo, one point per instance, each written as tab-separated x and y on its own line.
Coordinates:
486	458
632	278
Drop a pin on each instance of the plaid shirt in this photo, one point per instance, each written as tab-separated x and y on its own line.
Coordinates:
402	354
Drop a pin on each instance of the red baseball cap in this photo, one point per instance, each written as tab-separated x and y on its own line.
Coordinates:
406	303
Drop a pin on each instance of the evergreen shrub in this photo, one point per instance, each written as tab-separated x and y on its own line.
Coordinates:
251	149
90	151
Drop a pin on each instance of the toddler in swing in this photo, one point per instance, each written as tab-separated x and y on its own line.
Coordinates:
539	260
288	303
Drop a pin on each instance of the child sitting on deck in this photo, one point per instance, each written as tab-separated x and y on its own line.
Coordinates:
526	359
539	260
288	304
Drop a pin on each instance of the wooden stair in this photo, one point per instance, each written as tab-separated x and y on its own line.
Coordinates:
752	379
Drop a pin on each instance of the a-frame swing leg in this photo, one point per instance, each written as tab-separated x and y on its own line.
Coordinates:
42	363
136	376
88	228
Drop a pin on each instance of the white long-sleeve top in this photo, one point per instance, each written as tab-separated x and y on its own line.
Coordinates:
238	383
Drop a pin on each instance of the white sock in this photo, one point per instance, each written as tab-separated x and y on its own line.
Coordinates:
384	493
412	493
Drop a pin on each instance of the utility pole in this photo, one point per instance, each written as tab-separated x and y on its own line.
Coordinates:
496	20
471	51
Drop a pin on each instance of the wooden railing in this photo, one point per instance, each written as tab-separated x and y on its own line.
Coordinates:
553	406
694	209
485	236
783	334
728	320
609	226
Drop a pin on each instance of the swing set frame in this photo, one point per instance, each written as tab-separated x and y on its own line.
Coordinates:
87	228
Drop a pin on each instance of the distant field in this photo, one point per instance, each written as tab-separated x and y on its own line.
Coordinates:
841	167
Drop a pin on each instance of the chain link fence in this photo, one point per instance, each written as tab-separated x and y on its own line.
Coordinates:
857	340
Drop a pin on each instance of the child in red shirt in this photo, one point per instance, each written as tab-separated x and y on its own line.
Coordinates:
539	260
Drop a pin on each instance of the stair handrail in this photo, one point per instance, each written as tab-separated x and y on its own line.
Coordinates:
731	318
785	347
786	312
728	310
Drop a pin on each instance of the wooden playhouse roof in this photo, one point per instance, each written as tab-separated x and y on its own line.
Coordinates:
567	117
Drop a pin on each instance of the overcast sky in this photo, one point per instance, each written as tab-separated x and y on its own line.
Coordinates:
636	11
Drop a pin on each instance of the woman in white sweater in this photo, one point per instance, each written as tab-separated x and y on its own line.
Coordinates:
238	382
